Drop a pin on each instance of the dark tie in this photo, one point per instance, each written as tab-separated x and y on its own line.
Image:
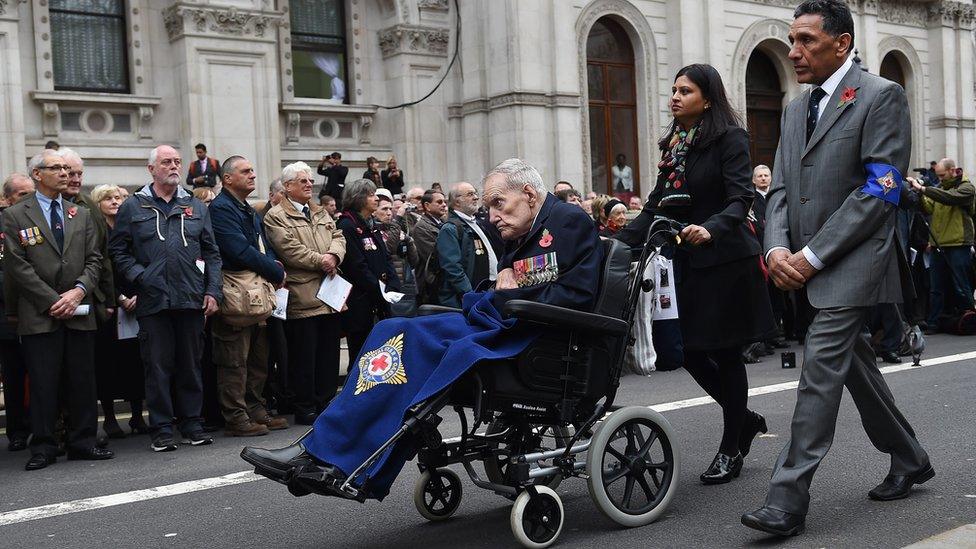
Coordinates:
56	225
813	110
307	212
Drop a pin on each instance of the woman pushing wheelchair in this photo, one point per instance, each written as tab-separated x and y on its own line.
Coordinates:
553	256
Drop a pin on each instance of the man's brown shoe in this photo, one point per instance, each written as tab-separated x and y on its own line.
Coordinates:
273	423
249	429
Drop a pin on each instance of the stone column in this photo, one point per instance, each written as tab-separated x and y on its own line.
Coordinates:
12	152
226	63
951	118
866	35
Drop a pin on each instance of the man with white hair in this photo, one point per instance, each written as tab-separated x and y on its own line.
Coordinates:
51	258
554	257
163	244
464	254
76	171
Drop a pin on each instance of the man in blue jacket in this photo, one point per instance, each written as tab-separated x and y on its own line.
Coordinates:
241	352
464	251
163	244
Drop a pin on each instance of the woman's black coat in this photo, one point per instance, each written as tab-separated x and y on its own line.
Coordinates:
364	269
719	180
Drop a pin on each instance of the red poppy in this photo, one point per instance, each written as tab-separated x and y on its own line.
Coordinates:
188	211
546	239
848	96
72	211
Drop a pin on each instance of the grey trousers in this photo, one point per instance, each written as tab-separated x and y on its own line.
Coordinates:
838	354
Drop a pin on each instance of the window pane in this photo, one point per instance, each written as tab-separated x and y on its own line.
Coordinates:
317	21
319	74
621	84
608	41
109	7
598	150
89	49
594	80
623	140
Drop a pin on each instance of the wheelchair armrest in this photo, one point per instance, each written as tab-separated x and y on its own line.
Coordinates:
427	310
561	317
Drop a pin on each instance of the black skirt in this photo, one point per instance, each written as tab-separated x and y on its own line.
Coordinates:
722	306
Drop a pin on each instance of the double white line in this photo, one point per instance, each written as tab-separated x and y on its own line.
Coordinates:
90	504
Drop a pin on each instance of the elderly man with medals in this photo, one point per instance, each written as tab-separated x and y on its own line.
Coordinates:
553	256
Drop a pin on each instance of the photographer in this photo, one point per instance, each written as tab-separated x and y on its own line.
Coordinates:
951	205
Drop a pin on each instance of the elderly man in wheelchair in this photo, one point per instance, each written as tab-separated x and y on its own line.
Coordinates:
537	363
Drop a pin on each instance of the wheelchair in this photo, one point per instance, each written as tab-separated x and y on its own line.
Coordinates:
547	415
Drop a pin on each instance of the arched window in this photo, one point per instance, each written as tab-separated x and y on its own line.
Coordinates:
614	165
88	45
892	70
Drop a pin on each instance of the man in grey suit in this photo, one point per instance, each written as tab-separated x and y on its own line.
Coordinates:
830	232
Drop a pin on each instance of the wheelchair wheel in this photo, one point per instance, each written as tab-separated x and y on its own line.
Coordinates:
497	469
437	494
633	466
537	518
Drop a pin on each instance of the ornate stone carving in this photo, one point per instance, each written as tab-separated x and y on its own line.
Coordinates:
951	14
294	128
791	4
903	12
365	123
3	7
182	19
433	5
414	39
52	119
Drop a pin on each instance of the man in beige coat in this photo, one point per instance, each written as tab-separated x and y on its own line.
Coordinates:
52	258
306	240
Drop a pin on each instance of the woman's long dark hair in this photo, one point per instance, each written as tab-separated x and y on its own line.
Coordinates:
719	116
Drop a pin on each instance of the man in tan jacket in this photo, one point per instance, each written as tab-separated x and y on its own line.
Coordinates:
52	258
305	238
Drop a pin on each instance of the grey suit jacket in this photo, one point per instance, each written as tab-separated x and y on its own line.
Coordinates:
41	273
815	198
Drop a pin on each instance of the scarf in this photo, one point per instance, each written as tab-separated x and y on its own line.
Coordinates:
671	168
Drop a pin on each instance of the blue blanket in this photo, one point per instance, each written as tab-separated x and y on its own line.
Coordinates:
406	361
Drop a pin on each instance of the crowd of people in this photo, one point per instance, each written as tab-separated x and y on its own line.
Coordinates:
164	256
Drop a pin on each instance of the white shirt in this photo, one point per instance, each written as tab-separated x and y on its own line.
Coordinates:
624	176
300	207
203	165
830	86
492	259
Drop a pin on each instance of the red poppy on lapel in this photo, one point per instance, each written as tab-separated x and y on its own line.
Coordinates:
546	239
849	95
188	211
72	211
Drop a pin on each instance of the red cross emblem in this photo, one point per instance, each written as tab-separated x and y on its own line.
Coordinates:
380	364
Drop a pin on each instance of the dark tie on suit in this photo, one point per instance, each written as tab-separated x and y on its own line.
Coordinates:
813	110
307	212
57	227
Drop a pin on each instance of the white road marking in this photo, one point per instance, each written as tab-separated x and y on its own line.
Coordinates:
242	477
88	504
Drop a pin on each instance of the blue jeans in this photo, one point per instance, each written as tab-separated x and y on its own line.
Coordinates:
950	288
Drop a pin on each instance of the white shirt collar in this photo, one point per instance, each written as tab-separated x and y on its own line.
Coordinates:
492	260
299	206
830	85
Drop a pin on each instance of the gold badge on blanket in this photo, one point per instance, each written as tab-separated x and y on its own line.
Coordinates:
540	269
383	365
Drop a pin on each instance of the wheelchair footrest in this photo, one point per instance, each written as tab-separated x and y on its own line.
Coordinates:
322	481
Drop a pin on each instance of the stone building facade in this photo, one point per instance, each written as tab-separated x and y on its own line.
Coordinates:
566	84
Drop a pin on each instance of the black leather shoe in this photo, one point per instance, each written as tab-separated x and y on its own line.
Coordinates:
39	461
776	522
17	444
755	424
94	453
305	419
889	357
899	486
278	465
723	469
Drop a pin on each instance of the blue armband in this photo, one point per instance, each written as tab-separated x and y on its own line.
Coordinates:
884	182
